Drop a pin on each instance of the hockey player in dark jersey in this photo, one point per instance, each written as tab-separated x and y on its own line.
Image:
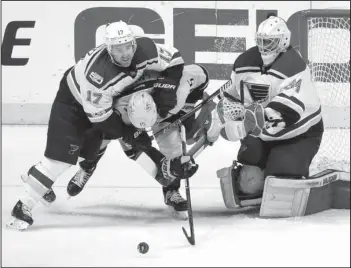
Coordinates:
273	108
137	107
82	112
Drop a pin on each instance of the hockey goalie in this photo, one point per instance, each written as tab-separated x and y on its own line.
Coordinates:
273	109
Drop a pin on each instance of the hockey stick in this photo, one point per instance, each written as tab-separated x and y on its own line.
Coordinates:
179	121
191	238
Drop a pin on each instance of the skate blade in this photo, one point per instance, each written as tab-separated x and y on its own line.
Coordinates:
177	215
16	224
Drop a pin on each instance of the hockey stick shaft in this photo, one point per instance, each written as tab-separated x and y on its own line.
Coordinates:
196	108
199	146
191	238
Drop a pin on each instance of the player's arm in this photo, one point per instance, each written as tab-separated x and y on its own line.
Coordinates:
97	105
232	94
233	91
171	65
170	61
164	170
288	105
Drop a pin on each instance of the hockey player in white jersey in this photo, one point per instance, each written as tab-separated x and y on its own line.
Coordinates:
82	112
136	105
274	110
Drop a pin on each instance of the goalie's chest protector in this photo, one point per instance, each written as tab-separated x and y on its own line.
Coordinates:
247	70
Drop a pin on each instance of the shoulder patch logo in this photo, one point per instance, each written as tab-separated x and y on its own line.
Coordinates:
96	77
294	85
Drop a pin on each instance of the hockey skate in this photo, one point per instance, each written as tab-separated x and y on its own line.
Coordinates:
21	217
80	179
176	204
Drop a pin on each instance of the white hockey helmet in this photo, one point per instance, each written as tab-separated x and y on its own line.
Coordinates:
116	35
272	38
141	109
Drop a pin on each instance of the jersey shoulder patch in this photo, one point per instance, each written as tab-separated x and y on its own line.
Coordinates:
289	63
250	58
146	50
102	70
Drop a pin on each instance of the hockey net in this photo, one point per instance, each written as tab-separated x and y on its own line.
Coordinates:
328	53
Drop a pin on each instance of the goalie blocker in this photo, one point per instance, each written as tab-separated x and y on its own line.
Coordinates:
288	197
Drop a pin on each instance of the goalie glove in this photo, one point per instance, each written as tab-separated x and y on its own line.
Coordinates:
240	121
227	109
177	168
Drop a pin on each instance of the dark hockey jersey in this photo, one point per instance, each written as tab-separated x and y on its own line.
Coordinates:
291	101
96	81
193	76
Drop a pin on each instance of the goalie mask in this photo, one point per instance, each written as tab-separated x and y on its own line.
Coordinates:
141	110
120	43
272	38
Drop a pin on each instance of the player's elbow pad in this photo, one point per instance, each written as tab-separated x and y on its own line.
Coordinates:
174	73
112	126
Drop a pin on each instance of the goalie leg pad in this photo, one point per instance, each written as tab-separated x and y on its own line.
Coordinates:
288	197
251	180
229	191
230	187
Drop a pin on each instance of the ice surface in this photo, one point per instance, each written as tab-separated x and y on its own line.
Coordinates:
121	206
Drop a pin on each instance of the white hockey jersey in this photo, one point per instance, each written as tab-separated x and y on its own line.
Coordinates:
291	101
95	80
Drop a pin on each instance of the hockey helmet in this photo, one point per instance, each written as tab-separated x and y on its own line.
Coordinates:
272	38
120	42
142	111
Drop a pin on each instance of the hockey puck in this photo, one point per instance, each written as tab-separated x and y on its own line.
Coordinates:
143	247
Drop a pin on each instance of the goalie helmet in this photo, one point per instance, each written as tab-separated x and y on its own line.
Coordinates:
141	110
272	38
120	43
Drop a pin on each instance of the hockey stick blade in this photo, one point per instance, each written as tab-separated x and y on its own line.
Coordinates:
190	239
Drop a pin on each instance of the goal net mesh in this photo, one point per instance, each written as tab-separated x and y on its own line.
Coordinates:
329	61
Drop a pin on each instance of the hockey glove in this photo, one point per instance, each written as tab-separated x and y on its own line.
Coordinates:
178	168
165	95
251	123
136	138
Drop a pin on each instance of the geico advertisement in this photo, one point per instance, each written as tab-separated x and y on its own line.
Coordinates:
42	39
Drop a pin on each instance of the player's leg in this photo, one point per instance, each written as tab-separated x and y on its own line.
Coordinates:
287	178
62	150
93	149
173	198
170	145
292	157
